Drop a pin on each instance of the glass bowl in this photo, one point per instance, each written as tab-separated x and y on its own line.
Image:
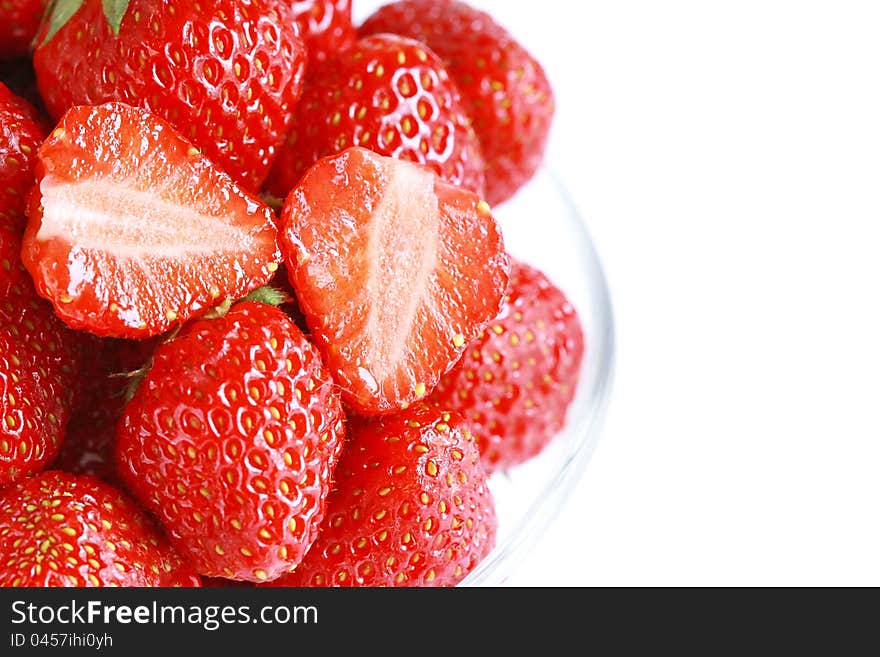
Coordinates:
543	227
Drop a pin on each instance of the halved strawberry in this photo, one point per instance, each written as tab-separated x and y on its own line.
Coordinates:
133	230
395	271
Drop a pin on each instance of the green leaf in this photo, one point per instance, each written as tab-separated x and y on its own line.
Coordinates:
61	12
115	10
268	295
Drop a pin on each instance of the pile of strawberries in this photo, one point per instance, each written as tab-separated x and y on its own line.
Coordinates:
257	320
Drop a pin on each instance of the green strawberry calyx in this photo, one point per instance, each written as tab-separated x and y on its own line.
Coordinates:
271	296
59	12
267	295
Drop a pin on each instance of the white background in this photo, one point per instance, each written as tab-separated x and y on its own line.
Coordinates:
726	156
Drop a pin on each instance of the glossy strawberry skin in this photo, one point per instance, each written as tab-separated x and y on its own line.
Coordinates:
61	529
231	440
39	357
226	73
395	272
39	364
410	506
516	381
21	133
390	95
19	21
12	273
325	26
505	89
132	230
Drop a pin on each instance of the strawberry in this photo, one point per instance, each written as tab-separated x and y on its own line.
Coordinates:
134	230
12	273
518	378
325	26
226	73
61	529
19	21
410	506
395	272
89	444
39	363
504	88
21	133
391	95
231	440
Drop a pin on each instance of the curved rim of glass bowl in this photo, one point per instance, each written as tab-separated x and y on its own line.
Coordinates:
584	423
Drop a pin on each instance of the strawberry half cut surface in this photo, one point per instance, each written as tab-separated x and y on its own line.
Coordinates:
395	271
133	231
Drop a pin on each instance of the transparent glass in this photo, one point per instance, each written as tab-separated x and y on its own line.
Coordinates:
543	227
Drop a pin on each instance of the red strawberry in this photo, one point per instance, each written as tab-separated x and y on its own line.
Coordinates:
410	506
231	440
226	73
395	271
12	273
135	230
61	529
90	442
325	26
517	379
21	132
19	21
504	88
388	94
39	363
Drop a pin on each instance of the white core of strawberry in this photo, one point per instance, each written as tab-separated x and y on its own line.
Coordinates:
128	223
402	254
